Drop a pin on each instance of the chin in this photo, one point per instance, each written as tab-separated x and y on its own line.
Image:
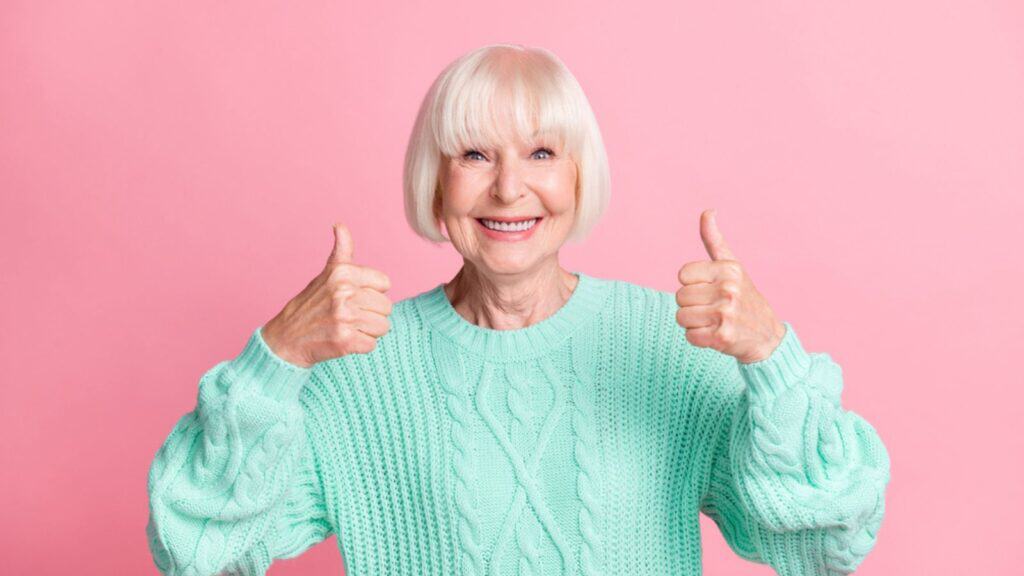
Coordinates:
507	266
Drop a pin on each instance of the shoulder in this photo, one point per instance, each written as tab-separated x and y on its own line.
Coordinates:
642	303
652	341
638	322
406	313
654	312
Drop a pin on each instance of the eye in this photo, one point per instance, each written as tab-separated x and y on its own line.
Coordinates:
467	154
545	151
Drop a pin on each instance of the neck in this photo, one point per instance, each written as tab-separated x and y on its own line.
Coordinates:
510	301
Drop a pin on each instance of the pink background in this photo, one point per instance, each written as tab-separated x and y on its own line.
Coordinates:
169	176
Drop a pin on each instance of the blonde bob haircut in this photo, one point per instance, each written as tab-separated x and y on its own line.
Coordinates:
495	92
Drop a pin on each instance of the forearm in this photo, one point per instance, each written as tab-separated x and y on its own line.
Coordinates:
215	482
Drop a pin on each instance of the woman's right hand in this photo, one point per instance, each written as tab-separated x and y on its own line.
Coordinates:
341	311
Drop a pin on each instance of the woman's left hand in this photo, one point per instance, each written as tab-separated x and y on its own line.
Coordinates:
719	306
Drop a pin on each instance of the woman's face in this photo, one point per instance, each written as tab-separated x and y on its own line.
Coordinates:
518	182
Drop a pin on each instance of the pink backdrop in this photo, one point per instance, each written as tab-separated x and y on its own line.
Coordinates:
169	176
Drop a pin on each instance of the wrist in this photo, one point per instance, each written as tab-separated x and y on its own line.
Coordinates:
269	333
259	367
778	334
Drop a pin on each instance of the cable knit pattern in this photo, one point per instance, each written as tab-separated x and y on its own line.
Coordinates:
231	486
805	474
585	444
522	425
588	489
453	378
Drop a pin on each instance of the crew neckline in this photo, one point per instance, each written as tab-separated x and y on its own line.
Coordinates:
544	336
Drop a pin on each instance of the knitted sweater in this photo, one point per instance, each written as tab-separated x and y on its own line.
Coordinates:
584	444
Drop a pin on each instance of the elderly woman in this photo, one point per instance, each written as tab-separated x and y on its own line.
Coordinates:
519	418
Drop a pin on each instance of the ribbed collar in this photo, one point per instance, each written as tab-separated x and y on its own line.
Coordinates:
583	304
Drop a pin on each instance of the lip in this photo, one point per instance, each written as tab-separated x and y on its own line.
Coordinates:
508	219
509	236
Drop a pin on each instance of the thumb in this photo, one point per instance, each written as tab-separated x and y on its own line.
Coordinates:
712	237
342	251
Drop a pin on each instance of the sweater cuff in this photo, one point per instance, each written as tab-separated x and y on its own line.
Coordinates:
269	373
787	365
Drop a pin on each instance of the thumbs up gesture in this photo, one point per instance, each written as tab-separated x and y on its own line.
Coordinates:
343	310
719	306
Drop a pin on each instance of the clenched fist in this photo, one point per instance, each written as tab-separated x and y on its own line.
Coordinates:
341	311
719	306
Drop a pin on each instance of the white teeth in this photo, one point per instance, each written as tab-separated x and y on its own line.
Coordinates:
509	226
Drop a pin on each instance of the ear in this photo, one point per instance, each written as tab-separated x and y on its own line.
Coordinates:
579	186
435	206
435	209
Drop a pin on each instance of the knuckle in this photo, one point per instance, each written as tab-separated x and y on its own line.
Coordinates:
725	333
342	273
339	305
343	333
343	292
343	313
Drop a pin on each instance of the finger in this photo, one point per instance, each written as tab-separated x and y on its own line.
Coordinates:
373	278
342	251
697	316
372	323
361	342
359	276
373	300
697	294
695	272
714	241
703	336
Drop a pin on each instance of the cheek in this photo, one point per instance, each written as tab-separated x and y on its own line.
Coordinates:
560	192
458	198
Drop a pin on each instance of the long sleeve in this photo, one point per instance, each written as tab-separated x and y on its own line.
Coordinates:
796	481
235	485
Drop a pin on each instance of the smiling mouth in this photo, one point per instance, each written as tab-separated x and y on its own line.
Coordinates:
521	225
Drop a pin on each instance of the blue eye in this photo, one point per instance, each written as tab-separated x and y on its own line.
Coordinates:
547	151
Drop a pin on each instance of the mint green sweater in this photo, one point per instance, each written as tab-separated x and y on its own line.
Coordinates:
584	444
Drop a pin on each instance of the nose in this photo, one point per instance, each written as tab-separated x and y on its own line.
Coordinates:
508	185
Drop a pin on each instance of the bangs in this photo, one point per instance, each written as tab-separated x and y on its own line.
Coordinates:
507	97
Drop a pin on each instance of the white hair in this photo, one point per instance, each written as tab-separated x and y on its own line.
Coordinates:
486	94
